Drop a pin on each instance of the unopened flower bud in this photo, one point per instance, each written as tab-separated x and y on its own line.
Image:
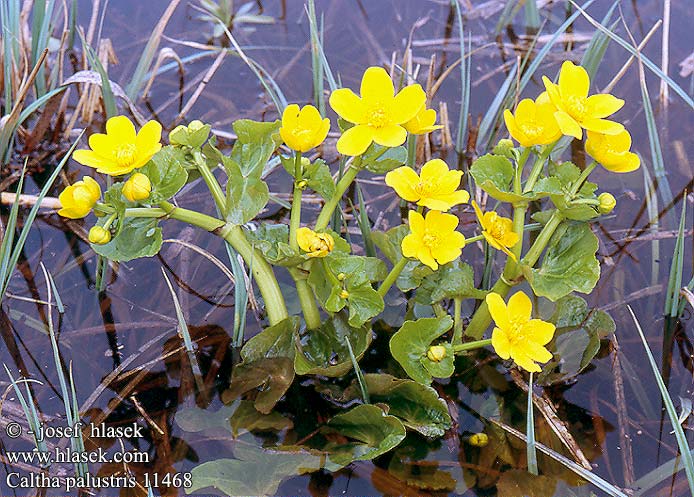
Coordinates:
302	184
195	125
344	294
504	147
137	188
341	276
99	235
436	353
607	203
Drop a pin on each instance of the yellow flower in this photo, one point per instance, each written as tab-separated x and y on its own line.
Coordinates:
303	129
516	336
435	188
433	240
575	109
436	353
613	151
138	187
314	244
424	122
78	199
497	230
121	150
99	235
379	114
533	123
607	203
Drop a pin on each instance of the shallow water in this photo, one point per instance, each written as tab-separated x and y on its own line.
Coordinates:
132	324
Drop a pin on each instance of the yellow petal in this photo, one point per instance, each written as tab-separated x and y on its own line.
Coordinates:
376	85
403	180
441	223
348	106
355	140
520	307
498	311
425	257
390	136
444	202
101	144
407	103
410	245
513	129
604	104
290	117
92	186
309	117
603	126
451	250
501	344
525	362
416	221
149	137
121	129
573	80
552	91
91	159
568	124
434	170
478	213
541	331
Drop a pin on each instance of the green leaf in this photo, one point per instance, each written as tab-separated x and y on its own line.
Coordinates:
373	433
268	365
254	145
577	338
494	173
409	346
424	475
324	351
195	420
319	179
246	195
389	243
569	263
271	239
166	173
255	471
380	160
247	418
418	406
450	281
138	237
364	303
573	211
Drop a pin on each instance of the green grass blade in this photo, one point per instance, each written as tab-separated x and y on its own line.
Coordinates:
360	376
80	468
319	44
652	209
672	296
8	238
531	450
364	224
465	78
506	16
598	45
650	480
32	216
184	333
240	297
682	443
316	60
58	300
29	412
106	91
532	15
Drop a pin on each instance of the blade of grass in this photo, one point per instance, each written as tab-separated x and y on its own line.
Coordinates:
531	450
652	209
364	224
80	468
318	42
185	335
465	78
360	375
685	451
598	45
532	16
650	480
8	238
672	296
29	412
106	91
240	297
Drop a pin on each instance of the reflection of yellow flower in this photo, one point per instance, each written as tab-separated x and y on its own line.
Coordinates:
78	199
379	114
303	129
99	235
516	336
575	109
433	240
314	244
613	151
435	188
138	187
424	122
533	123
121	150
497	230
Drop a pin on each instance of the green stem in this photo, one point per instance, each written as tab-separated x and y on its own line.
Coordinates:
537	167
295	216
477	344
309	308
583	177
211	182
533	254
411	149
457	322
262	271
392	276
340	189
474	239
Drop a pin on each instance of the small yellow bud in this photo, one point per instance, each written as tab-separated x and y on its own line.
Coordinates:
341	276
436	353
344	294
305	162
302	184
195	125
137	188
607	203
314	244
479	439
99	235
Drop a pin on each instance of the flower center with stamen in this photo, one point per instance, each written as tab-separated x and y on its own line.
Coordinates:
431	240
576	107
423	188
531	130
496	228
125	154
377	116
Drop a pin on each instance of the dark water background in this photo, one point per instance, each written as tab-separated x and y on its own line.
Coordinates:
136	311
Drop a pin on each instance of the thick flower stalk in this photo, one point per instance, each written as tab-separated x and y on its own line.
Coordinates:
433	239
436	187
121	149
378	114
612	151
516	335
575	109
78	199
497	230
